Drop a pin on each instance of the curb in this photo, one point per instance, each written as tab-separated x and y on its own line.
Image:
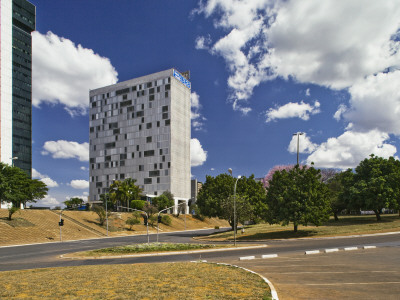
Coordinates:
274	294
65	256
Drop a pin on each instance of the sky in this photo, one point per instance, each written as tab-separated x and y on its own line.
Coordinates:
261	70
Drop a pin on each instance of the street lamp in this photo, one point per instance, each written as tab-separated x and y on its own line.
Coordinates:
298	134
12	160
234	207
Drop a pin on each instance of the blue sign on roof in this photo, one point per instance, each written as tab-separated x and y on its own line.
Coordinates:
182	79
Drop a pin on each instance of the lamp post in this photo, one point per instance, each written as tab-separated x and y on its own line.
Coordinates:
12	160
107	198
298	134
234	207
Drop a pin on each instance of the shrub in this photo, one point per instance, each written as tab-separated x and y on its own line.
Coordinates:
166	220
137	204
99	210
216	227
134	220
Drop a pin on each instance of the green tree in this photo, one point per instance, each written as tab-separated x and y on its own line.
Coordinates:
101	213
17	188
297	196
138	204
216	193
134	219
73	202
337	185
151	210
375	185
123	192
162	202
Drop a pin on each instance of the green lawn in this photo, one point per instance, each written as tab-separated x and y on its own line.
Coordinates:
139	281
347	225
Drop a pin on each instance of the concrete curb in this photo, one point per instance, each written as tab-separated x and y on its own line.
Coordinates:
269	256
311	252
350	248
331	250
274	294
65	256
247	257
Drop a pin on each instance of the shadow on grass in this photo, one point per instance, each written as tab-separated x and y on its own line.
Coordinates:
360	220
17	222
283	234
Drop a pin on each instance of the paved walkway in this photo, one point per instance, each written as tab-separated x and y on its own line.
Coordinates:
358	274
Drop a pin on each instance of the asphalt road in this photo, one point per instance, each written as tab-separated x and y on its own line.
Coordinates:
47	255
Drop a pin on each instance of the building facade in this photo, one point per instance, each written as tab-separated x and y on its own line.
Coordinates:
17	21
140	129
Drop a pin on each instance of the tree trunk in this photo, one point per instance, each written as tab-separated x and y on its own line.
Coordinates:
295	227
377	214
335	215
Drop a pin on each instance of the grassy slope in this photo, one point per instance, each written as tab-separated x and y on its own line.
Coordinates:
139	281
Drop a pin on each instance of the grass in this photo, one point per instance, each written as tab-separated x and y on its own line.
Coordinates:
17	222
139	281
145	248
347	225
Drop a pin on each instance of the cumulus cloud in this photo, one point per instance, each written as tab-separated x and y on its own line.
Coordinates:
44	178
66	149
48	201
83	168
375	103
197	154
63	72
329	43
338	114
305	144
79	184
195	115
293	110
202	42
347	150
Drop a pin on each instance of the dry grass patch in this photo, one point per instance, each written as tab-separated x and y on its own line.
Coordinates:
140	281
347	225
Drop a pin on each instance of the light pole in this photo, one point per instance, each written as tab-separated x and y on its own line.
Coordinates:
234	207
12	160
107	198
298	134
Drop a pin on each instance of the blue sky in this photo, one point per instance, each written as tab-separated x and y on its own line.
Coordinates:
261	70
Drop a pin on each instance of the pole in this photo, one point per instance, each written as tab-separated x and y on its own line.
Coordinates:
298	148
107	212
234	213
60	227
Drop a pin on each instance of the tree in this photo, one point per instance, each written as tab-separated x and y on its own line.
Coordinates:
73	202
17	188
216	192
99	210
151	210
134	219
297	196
271	172
375	185
336	185
162	202
123	192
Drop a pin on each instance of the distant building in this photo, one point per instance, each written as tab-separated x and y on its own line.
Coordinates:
195	188
17	21
140	129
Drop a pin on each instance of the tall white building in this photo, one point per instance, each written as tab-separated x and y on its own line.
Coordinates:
140	129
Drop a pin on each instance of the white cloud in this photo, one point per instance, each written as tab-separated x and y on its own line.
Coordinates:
375	103
330	43
305	144
202	42
79	184
63	72
347	150
48	201
197	154
308	92
84	197
44	178
195	115
66	149
338	114
83	168
293	110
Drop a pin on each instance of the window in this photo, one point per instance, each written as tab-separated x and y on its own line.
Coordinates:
110	145
124	97
137	147
149	85
141	167
122	163
169	165
160	151
126	103
140	154
148	125
158	89
163	158
142	106
107	158
122	91
134	88
147	181
151	91
122	176
116	131
166	94
140	127
148	153
148	139
155	166
158	123
165	115
165	108
167	122
167	87
158	179
151	97
154	173
123	156
99	184
160	166
140	113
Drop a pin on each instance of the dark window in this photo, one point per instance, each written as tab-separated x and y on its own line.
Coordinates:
154	173
148	139
140	154
130	109
167	87
158	179
148	153
99	184
165	108
169	165
151	91
113	125
91	129
140	113
110	145
122	163
160	166
122	176
149	85
158	123
140	127
123	156
142	106
147	181
124	97
126	103
160	151
134	88
167	122
122	91
141	167
137	147
158	89
151	97
107	158
163	158
93	104
166	94
92	160
155	166
165	115
148	125
116	131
